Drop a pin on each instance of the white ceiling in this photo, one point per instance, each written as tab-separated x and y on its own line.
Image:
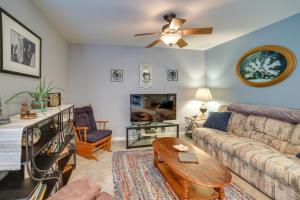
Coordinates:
116	21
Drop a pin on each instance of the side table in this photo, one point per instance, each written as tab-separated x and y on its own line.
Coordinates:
191	122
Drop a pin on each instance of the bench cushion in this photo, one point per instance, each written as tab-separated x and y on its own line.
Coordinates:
93	136
81	189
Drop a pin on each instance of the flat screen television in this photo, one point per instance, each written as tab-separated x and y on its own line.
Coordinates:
152	107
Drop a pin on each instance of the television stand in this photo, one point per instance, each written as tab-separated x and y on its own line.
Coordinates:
142	135
140	123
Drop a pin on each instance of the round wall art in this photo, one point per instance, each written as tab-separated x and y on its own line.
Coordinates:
265	65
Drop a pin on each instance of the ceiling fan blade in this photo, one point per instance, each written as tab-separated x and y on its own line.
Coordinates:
193	31
153	43
181	43
143	34
176	23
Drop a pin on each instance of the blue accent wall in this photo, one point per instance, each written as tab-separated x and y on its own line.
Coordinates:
220	65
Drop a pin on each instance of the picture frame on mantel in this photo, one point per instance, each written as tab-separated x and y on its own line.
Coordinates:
21	48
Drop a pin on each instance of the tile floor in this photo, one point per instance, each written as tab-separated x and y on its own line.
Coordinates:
101	170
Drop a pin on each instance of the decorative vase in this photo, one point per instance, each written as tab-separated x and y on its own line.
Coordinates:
38	105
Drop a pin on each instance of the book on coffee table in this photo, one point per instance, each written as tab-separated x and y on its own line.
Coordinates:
188	157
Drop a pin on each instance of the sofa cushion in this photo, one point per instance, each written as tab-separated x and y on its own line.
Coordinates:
282	114
93	136
295	136
257	154
218	120
236	123
273	126
282	136
229	142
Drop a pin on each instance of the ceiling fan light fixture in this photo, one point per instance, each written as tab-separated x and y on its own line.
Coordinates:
170	38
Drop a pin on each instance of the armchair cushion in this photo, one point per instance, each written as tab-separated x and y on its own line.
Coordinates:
84	116
83	120
93	136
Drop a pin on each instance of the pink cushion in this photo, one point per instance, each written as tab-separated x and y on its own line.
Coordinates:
105	196
81	189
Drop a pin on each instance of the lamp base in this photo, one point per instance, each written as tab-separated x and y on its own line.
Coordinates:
203	110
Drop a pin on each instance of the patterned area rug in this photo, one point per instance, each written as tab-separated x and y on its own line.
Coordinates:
136	178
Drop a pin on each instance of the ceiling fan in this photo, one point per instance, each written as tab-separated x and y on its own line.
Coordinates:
172	34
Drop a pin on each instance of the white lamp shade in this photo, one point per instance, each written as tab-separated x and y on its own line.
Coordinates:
203	94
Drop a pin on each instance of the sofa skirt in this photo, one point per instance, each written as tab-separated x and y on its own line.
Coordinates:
270	186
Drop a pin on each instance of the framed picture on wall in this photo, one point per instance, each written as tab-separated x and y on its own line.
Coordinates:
21	48
266	65
116	75
172	74
145	76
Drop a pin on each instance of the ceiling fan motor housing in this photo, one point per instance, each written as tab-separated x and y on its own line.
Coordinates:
168	17
172	33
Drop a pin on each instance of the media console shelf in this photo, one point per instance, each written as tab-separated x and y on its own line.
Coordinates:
142	135
48	161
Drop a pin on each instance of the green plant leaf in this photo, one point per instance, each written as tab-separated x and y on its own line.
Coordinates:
41	92
11	98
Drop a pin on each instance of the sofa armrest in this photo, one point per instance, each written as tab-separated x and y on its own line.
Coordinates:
199	124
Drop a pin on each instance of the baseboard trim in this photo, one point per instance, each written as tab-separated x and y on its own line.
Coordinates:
118	138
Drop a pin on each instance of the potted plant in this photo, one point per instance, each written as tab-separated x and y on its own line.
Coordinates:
40	95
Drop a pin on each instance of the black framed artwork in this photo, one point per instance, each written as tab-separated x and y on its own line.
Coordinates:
21	48
116	75
172	74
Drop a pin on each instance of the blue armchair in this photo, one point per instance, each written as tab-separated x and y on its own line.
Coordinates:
88	137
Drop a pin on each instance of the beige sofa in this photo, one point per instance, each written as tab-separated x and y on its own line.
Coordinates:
260	146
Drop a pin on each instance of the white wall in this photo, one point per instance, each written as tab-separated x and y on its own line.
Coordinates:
90	67
54	54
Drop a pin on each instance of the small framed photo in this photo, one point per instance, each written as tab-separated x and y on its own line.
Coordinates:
116	75
54	99
172	74
21	48
145	76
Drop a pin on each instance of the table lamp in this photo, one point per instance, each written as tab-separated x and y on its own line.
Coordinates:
203	95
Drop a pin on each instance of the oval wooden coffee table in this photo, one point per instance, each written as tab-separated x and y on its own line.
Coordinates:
203	180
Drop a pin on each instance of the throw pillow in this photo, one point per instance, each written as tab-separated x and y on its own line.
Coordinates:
218	120
298	155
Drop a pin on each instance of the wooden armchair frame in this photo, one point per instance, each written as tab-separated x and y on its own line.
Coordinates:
87	149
